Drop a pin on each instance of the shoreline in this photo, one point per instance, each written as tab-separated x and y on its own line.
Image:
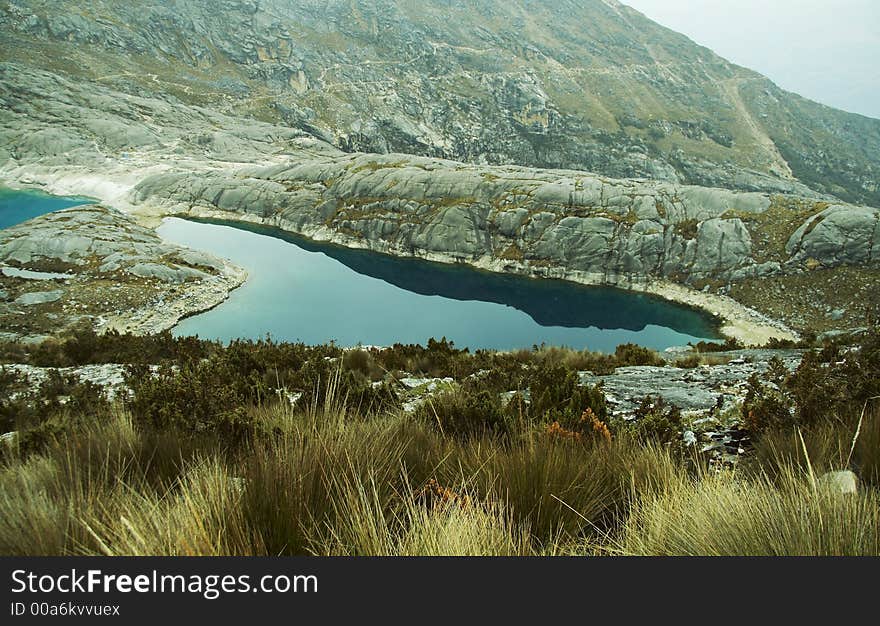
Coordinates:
202	298
737	321
178	303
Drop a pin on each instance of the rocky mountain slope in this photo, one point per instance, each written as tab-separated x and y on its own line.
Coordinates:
139	144
573	84
156	158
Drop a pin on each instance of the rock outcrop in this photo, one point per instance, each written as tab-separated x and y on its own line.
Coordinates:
838	235
839	483
717	387
542	222
97	266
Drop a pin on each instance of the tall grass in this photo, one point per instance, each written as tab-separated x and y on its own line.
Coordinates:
293	485
365	525
727	515
33	516
559	490
826	447
326	480
202	516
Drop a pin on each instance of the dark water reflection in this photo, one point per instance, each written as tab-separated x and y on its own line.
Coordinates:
298	288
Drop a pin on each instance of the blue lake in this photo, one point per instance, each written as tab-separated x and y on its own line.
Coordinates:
300	290
20	206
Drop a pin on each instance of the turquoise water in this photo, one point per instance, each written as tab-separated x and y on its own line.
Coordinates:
20	206
300	290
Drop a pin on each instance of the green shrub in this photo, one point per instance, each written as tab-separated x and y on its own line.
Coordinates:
828	386
632	355
53	409
689	362
362	362
655	421
464	413
557	395
317	377
729	345
766	407
195	399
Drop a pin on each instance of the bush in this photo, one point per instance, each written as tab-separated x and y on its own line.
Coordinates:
193	400
464	413
55	408
766	407
632	355
655	421
829	386
689	362
557	395
216	460
362	362
729	345
218	395
320	379
588	428
83	346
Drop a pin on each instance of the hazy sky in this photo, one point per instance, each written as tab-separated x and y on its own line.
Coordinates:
826	50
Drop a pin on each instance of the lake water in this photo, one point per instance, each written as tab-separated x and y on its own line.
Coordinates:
20	206
300	290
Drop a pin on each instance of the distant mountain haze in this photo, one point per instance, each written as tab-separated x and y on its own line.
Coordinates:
825	50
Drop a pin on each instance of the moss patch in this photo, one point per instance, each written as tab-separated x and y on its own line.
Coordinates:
687	229
772	229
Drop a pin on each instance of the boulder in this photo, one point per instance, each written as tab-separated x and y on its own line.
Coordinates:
841	482
838	235
722	246
39	297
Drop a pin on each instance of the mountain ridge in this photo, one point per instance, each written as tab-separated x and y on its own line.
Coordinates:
588	85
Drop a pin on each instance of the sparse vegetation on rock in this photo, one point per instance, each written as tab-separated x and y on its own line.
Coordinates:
246	470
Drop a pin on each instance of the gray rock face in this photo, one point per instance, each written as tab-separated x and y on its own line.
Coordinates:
39	297
78	237
110	378
79	124
838	235
722	245
619	231
698	389
841	483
